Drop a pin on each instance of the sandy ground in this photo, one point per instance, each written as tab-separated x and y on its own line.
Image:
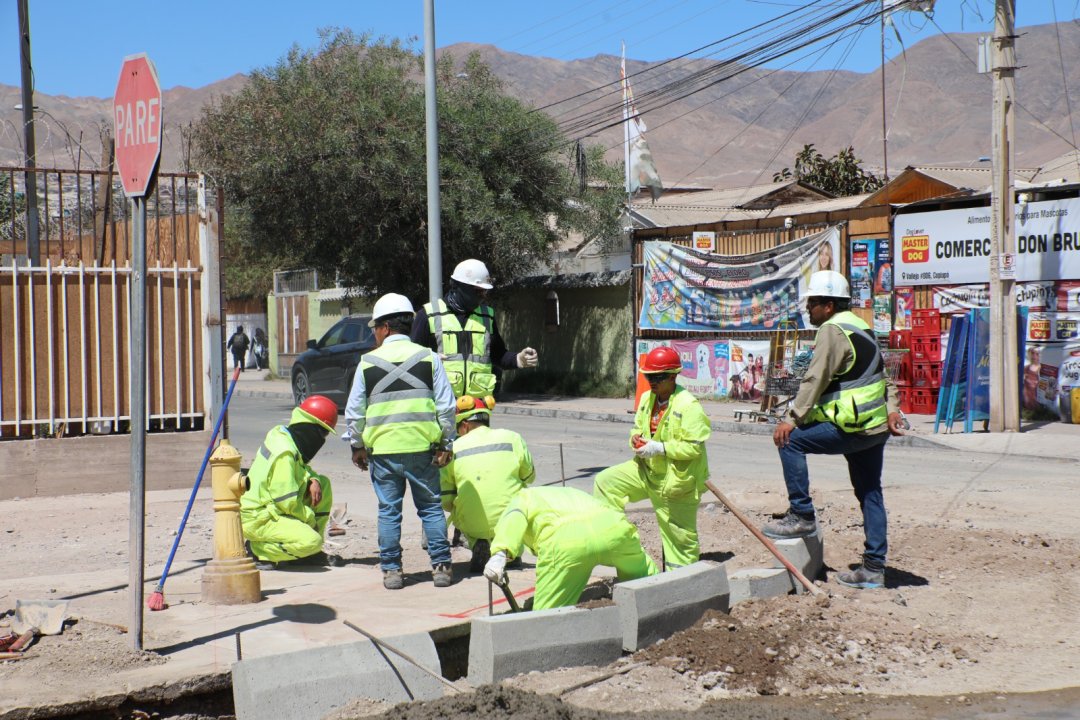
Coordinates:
980	605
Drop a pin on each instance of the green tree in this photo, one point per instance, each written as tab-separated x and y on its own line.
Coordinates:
839	175
323	162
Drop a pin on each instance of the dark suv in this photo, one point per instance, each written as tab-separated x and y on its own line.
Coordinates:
327	366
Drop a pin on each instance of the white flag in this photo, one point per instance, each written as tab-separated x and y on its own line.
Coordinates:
640	168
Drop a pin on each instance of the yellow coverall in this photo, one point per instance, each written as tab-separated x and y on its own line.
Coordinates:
276	513
489	467
673	481
570	532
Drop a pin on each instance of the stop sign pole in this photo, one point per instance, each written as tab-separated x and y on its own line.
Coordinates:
137	127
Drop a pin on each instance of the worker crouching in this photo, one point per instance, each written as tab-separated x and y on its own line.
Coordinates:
570	533
490	466
285	512
670	465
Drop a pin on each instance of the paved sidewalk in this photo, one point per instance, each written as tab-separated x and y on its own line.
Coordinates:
1036	439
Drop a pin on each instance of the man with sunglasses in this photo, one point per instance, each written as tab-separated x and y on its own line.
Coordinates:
846	405
670	465
285	511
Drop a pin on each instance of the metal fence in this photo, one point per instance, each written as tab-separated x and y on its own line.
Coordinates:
65	346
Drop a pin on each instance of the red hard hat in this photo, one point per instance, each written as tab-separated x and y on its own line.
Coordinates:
661	360
322	409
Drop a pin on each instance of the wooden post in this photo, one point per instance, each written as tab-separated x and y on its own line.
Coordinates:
103	215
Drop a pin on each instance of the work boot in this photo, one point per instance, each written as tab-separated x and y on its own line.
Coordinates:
260	564
481	553
393	579
789	527
862	578
319	559
443	575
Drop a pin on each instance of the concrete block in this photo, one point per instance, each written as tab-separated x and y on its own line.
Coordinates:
760	583
312	683
653	608
807	554
501	646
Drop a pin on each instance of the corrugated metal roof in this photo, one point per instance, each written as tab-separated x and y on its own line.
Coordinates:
971	178
575	280
1064	169
698	214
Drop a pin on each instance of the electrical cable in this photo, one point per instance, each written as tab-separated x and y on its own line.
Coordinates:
1064	81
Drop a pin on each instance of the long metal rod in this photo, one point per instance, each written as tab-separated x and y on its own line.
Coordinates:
811	587
18	349
82	341
402	655
431	121
50	321
137	340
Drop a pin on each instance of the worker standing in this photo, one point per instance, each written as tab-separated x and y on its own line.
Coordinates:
490	466
462	329
846	405
670	465
570	533
400	419
284	513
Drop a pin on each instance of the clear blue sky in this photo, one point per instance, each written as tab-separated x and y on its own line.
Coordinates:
78	46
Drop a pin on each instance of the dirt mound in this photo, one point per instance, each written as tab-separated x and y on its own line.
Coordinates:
493	702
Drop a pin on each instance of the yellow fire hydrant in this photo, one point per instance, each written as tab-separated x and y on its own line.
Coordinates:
231	578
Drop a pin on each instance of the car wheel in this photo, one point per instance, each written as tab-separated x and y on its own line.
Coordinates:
300	387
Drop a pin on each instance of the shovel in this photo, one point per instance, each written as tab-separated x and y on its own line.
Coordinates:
37	617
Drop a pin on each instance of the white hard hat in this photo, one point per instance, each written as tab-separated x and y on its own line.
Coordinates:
828	283
390	304
472	272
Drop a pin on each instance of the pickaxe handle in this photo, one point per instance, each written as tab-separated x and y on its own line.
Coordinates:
810	587
505	587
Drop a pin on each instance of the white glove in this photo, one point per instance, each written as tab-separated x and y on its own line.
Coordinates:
495	570
650	449
527	358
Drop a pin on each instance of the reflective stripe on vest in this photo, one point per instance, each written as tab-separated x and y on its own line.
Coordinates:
401	415
444	325
278	444
483	449
858	403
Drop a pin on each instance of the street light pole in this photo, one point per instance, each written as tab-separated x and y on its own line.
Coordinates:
431	120
29	147
1004	379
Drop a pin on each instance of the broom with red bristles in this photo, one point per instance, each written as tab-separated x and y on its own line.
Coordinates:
156	601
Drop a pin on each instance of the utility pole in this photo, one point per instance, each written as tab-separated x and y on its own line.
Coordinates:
1004	380
33	252
431	121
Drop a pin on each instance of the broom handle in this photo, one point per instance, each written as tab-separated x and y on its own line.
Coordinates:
198	480
811	587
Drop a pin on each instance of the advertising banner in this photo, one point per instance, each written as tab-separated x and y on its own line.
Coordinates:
1062	295
718	368
951	247
685	289
863	255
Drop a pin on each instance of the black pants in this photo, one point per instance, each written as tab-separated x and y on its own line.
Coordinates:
238	360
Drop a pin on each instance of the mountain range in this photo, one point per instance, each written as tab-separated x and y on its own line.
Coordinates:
734	133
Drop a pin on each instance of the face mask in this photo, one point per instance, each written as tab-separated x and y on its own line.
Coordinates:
463	298
309	439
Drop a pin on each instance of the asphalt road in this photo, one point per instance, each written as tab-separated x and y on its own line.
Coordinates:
744	466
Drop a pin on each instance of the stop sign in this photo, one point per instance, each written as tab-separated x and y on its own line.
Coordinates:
137	124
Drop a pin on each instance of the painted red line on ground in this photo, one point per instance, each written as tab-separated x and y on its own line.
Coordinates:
501	601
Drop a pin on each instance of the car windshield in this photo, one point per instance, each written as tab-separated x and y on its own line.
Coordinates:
346	331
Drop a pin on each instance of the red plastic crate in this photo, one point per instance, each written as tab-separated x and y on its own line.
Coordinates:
926	323
926	374
900	339
926	348
905	400
923	401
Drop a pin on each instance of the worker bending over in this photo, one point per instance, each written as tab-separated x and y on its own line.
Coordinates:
570	533
284	512
462	330
489	467
670	465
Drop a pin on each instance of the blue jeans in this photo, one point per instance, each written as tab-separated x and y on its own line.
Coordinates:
865	455
389	474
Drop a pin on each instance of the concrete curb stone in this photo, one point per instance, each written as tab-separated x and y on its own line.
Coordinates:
807	554
653	608
312	683
502	646
750	583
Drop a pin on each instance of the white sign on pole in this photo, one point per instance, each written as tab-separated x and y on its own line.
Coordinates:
952	247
